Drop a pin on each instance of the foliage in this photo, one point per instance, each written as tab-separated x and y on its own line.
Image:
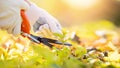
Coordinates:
102	51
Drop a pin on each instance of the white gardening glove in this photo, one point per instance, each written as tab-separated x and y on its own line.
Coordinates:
10	18
39	17
47	22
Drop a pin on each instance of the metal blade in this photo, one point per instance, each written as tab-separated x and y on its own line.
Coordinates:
44	40
57	42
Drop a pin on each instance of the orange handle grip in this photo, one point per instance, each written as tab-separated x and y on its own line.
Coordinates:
25	26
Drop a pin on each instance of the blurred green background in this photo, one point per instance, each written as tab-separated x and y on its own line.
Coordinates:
76	12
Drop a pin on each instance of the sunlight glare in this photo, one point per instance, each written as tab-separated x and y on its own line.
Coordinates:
81	3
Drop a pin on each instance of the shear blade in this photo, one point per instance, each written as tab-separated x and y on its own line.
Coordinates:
47	41
57	42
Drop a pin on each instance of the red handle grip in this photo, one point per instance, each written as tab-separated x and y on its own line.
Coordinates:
25	27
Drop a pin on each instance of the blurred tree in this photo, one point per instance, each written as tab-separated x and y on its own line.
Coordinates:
114	5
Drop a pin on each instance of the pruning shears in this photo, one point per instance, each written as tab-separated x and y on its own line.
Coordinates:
46	41
25	28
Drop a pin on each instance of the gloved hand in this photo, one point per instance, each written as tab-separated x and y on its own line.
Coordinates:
39	18
47	22
10	18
